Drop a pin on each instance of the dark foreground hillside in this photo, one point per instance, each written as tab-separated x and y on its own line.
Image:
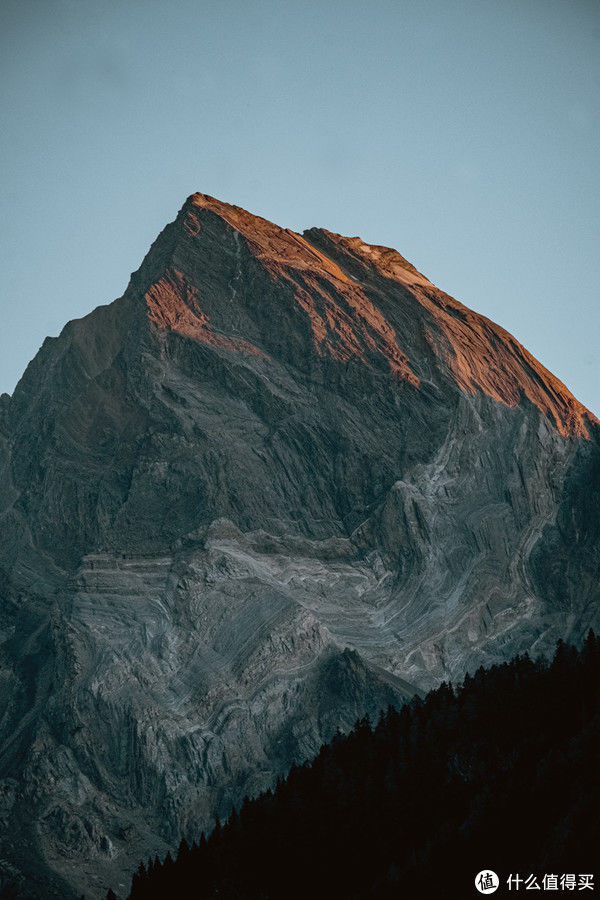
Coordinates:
500	772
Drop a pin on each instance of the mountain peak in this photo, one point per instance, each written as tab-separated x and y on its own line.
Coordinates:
224	253
240	283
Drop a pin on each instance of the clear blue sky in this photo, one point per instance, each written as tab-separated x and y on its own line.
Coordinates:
465	134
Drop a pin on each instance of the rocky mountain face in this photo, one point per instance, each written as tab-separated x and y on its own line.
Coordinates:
282	482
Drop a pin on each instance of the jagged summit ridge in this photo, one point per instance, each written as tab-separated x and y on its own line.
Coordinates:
335	284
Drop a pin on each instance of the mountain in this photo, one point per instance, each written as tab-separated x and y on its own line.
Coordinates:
282	482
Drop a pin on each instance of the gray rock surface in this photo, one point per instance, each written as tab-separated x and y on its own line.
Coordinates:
283	481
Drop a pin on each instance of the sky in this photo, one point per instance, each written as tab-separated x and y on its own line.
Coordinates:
464	134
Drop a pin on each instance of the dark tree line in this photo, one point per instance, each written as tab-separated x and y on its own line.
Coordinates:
502	771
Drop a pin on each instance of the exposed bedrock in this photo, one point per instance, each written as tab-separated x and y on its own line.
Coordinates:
280	483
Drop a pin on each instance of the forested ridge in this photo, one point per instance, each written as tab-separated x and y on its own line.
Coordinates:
500	772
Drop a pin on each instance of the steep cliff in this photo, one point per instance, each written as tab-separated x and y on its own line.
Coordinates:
284	480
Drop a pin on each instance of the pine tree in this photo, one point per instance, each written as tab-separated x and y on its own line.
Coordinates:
183	851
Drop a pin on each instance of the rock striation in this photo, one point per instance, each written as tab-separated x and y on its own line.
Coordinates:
281	482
